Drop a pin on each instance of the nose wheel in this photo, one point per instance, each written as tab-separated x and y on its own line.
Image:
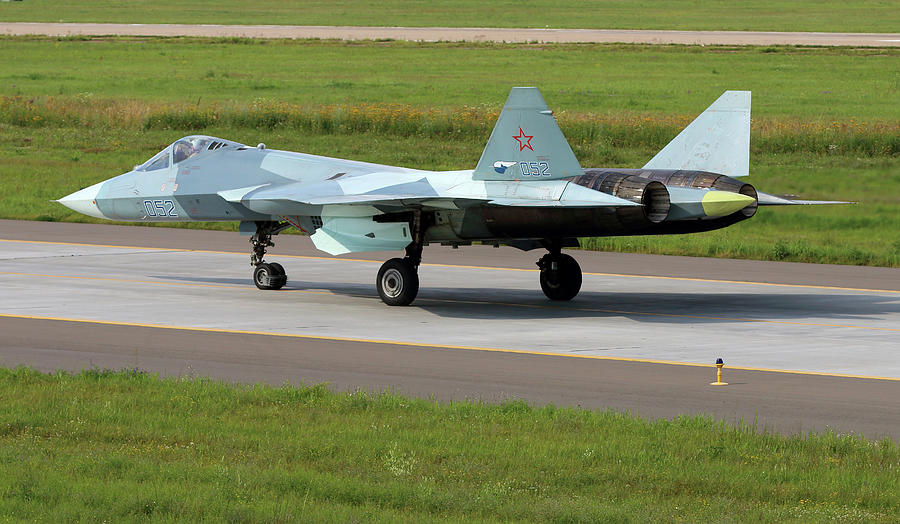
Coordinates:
269	276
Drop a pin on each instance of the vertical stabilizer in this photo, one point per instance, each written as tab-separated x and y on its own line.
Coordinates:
526	143
717	141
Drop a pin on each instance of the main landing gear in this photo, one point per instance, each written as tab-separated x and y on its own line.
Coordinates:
266	275
398	279
560	274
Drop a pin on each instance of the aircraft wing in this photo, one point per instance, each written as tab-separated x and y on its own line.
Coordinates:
304	199
286	205
300	199
411	201
396	201
349	210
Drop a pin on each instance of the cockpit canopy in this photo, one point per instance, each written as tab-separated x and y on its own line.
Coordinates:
183	149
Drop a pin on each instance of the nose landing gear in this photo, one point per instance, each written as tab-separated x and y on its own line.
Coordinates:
266	275
269	276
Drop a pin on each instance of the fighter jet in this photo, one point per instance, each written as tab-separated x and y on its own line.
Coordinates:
527	191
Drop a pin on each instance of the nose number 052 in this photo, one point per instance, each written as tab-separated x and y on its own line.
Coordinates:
160	208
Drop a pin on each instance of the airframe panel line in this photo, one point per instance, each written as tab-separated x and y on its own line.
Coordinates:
437	346
480	302
307	257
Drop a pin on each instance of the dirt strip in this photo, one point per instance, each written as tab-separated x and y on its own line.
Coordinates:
456	34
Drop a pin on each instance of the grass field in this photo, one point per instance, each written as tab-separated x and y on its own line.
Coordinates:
753	15
826	121
126	446
810	83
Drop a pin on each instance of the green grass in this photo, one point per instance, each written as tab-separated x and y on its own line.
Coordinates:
810	83
128	446
754	15
826	121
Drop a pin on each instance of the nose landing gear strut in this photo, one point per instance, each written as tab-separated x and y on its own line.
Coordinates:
266	275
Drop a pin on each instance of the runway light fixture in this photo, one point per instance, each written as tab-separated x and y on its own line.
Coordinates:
719	365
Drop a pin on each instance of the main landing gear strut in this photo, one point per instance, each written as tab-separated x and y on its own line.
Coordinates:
266	275
560	273
398	279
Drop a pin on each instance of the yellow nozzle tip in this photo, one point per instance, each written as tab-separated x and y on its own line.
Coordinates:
722	203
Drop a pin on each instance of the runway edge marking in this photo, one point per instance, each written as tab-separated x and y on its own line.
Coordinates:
310	257
436	346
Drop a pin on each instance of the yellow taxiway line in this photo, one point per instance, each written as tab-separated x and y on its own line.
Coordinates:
432	346
309	257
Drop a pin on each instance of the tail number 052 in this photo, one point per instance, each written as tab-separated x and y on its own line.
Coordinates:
534	168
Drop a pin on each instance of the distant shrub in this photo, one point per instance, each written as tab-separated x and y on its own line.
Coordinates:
585	131
191	119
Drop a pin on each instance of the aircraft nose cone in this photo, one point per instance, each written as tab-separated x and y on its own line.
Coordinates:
84	201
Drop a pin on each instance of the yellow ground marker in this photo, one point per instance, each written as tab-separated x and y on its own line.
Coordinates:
719	365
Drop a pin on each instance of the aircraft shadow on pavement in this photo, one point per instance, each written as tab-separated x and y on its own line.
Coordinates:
671	308
677	308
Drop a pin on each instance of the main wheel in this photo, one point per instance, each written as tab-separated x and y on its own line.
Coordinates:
560	277
269	276
397	282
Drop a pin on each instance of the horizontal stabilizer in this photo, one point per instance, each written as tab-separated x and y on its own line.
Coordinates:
766	199
526	143
717	141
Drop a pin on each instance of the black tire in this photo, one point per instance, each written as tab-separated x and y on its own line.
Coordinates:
263	276
278	278
563	282
397	282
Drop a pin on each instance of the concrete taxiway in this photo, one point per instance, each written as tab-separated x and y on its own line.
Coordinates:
180	302
460	34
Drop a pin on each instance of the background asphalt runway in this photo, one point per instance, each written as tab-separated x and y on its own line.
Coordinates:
178	312
455	34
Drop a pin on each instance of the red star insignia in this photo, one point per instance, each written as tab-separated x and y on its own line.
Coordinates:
524	143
